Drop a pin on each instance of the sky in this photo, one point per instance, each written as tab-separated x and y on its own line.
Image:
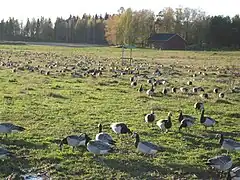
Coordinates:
22	9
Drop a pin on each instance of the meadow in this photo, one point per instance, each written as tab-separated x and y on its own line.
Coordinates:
48	91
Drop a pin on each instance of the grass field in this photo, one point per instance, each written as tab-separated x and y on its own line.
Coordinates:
53	106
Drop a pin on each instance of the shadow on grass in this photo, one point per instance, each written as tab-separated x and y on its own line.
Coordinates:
13	165
136	168
20	143
230	134
190	171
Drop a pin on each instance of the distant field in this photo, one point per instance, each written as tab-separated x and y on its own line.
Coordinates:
52	95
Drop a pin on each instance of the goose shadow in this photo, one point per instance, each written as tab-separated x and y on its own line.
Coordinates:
136	168
20	143
224	133
13	165
190	171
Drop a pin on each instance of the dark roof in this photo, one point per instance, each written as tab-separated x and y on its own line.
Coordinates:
161	37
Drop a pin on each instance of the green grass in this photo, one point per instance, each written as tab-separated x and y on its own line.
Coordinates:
53	106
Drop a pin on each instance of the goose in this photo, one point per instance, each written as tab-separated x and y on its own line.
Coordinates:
141	89
75	140
104	137
189	83
134	83
199	106
221	95
215	90
165	124
194	89
5	153
132	78
228	144
222	162
7	128
207	121
144	146
150	92
184	90
188	117
164	91
234	174
98	147
185	123
120	128
150	118
204	95
174	90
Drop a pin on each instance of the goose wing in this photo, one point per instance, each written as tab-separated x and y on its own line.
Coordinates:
235	172
232	143
99	145
12	126
105	138
219	160
150	145
189	117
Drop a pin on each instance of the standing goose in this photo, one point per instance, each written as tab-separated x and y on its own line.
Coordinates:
141	89
75	140
150	92
234	174
7	128
5	153
165	124
150	118
186	117
120	128
222	163
104	137
207	121
144	146
185	123
228	144
98	147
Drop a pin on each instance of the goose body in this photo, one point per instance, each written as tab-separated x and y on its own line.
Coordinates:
120	128
222	163
165	124
104	137
75	140
98	147
207	121
229	144
144	146
186	117
234	174
150	92
4	153
7	128
186	123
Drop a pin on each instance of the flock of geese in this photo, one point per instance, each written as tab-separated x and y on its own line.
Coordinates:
103	143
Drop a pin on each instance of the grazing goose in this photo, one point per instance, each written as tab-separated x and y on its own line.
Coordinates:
186	117
189	83
204	95
150	92
5	153
75	140
144	146
7	128
228	144
150	118
222	163
207	121
234	174
134	83
199	106
164	91
215	90
98	147
120	128
165	124
194	90
184	90
104	137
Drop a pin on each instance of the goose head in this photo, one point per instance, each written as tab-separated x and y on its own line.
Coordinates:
63	141
221	138
170	114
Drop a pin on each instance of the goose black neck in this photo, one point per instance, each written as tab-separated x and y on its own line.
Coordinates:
221	139
137	140
180	118
202	117
100	128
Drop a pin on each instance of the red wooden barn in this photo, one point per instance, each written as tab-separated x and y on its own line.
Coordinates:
167	41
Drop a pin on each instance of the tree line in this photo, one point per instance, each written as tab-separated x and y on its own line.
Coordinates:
128	27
